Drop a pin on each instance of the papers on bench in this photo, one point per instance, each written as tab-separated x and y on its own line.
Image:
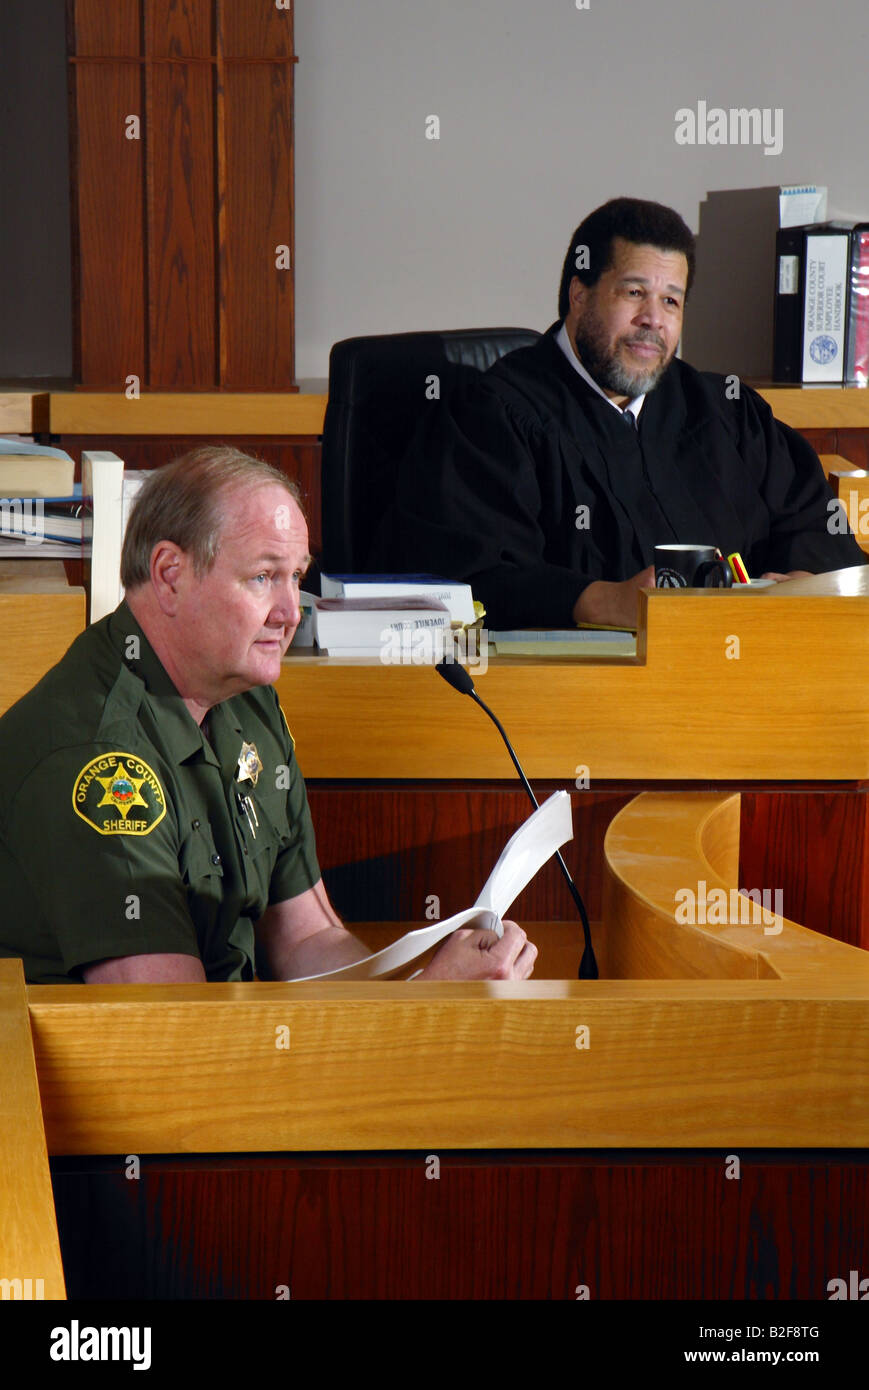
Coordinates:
545	831
552	642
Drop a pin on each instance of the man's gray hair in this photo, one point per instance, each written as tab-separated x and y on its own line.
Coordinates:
184	502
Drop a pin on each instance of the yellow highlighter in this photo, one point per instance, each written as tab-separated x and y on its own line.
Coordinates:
737	568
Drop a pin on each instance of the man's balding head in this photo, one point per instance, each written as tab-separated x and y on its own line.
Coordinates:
187	502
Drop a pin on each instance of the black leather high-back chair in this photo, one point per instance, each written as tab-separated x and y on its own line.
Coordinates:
377	392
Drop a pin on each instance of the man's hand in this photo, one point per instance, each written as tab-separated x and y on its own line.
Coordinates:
475	953
791	574
613	604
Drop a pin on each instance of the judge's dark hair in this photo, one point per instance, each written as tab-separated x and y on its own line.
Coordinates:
645	224
187	502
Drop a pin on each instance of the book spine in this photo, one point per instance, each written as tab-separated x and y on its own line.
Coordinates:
787	341
857	369
824	304
374	630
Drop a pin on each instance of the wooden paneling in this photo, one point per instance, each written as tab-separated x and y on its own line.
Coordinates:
179	28
298	458
657	851
29	1248
854	445
181	216
668	1225
385	851
251	29
102	30
212	84
822	441
108	181
256	296
815	848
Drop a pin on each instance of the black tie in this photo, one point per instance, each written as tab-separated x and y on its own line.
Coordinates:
630	419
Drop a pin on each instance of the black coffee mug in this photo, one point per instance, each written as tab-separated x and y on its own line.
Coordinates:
690	567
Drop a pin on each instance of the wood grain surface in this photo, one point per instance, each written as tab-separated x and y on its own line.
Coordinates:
663	1225
29	1248
683	709
176	230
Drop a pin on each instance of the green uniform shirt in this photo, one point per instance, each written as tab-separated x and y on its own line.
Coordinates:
124	830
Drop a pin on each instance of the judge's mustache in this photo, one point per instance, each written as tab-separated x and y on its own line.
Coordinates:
647	336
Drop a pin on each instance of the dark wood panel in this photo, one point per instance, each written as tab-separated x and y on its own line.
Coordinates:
814	846
822	441
299	458
256	292
253	29
179	28
385	851
203	264
105	30
854	446
181	217
659	1225
109	246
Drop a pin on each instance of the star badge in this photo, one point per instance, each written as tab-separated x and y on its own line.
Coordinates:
250	764
121	790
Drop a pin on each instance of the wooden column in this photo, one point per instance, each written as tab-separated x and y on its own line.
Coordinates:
182	165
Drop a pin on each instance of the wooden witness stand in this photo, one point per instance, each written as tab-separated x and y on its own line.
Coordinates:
699	1037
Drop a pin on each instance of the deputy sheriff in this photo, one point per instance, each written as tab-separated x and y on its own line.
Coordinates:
154	825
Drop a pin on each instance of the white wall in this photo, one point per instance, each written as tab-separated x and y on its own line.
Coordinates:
546	111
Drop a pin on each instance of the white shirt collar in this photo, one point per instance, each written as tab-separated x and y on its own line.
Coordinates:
563	341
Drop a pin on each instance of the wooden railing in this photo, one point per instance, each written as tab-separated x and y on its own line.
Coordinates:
749	1034
30	1264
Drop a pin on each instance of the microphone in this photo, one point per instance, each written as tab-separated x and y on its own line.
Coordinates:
459	678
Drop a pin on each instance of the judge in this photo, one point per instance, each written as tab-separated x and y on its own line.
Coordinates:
548	481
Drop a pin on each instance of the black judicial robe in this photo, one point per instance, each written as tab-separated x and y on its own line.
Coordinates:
497	480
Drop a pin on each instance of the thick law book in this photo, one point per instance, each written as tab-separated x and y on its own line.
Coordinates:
811	302
456	596
361	626
527	850
34	470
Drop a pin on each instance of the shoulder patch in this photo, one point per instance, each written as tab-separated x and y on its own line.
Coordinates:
286	726
118	794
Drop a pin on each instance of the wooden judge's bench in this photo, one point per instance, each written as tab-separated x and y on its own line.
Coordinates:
691	1125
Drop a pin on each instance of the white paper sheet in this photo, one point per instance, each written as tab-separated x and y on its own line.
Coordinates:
545	831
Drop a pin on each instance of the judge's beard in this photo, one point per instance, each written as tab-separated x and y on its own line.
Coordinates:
606	367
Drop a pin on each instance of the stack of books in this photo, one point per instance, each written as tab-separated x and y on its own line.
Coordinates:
40	506
395	616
